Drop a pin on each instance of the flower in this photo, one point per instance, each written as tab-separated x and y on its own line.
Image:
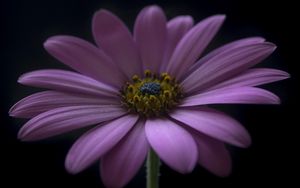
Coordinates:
149	90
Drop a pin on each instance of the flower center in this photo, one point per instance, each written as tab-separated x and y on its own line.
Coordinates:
151	95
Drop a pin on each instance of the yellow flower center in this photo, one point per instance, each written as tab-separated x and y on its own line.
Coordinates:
152	95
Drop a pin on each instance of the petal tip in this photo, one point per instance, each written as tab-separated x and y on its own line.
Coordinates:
70	167
22	78
102	11
50	40
219	17
286	75
101	14
270	46
12	111
153	10
247	142
277	100
22	136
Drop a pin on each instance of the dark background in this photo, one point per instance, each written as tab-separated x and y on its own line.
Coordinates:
271	160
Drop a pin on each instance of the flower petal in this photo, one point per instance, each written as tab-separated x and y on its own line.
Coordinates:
253	77
121	163
67	81
114	38
225	65
150	35
240	95
173	144
85	58
214	124
65	119
176	29
48	100
213	155
226	47
193	44
98	141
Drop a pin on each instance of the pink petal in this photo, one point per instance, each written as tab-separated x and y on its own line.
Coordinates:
67	81
173	144
150	35
176	29
121	163
65	119
225	65
214	124
193	44
114	38
85	58
240	95
213	155
48	100
253	77
229	46
96	142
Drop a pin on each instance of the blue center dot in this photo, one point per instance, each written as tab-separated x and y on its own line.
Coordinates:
151	88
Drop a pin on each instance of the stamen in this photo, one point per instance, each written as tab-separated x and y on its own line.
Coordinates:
135	78
148	73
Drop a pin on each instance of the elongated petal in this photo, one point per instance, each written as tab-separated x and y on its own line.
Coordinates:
225	65
173	144
150	35
48	100
121	164
85	58
214	124
226	47
65	119
114	38
193	44
67	81
176	29
98	141
213	155
240	95
253	77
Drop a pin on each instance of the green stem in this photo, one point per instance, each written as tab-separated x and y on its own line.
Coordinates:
153	164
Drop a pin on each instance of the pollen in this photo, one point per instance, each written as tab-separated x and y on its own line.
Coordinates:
151	95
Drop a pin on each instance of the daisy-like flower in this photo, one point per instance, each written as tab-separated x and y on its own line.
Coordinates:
147	92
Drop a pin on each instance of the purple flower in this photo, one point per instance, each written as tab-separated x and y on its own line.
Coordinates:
149	90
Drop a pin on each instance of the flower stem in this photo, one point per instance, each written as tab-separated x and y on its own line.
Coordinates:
153	164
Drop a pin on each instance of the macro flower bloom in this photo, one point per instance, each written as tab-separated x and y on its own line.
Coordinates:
147	90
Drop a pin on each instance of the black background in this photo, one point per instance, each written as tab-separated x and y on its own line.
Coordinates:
271	160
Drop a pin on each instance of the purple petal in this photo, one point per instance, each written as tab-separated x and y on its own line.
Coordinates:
225	65
213	155
253	77
49	100
65	119
96	142
85	58
67	81
240	95
193	44
176	29
229	46
214	124
114	38
121	163
173	144
150	35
